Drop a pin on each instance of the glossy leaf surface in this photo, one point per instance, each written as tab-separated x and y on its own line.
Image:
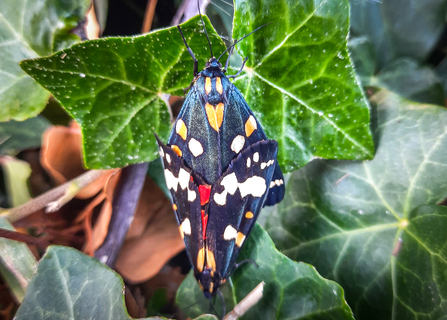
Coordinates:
29	29
16	136
70	284
374	226
292	290
300	81
114	88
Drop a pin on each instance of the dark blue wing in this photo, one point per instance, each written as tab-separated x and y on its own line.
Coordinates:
236	200
197	140
277	188
237	102
185	201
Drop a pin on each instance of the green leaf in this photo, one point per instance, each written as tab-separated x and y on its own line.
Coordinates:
30	29
17	263
409	28
292	290
348	218
16	136
300	81
69	284
114	88
16	173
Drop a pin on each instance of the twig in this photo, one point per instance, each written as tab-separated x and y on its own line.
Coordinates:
249	301
55	197
17	236
125	201
149	16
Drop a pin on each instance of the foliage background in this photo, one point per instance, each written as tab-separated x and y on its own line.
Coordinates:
375	226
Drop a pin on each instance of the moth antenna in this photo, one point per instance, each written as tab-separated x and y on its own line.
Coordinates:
204	29
235	43
214	309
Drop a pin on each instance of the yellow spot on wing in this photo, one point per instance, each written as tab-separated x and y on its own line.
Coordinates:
174	206
215	115
207	85
177	150
240	239
210	262
250	126
181	129
201	259
219	85
249	215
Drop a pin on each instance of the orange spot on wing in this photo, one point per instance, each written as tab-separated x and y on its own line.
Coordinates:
240	239
219	85
249	215
210	262
174	206
177	150
201	259
181	129
215	115
207	85
250	126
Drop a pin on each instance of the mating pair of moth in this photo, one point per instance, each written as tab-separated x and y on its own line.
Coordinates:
220	169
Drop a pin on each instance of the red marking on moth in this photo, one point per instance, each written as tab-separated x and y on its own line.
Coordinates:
204	223
192	180
204	191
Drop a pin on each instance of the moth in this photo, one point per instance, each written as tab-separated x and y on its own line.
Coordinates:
220	169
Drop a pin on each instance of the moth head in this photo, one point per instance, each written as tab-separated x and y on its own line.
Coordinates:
213	65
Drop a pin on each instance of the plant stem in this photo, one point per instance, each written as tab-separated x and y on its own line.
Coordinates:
55	197
125	201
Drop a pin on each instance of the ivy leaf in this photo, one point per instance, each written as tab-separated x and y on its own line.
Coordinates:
292	290
374	226
300	81
114	88
29	29
399	28
17	263
16	136
70	284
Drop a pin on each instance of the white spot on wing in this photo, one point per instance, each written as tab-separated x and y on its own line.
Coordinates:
171	181
248	162
272	184
168	158
186	227
161	152
238	143
191	195
256	157
230	233
195	147
230	185
183	178
254	186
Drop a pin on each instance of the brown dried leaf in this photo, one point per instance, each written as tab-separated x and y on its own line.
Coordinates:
153	237
61	156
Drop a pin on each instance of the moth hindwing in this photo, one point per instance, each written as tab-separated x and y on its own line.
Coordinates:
232	206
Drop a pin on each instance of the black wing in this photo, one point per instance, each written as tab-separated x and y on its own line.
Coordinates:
236	200
185	201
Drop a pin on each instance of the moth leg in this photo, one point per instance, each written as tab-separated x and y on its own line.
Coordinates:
223	302
240	70
196	62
